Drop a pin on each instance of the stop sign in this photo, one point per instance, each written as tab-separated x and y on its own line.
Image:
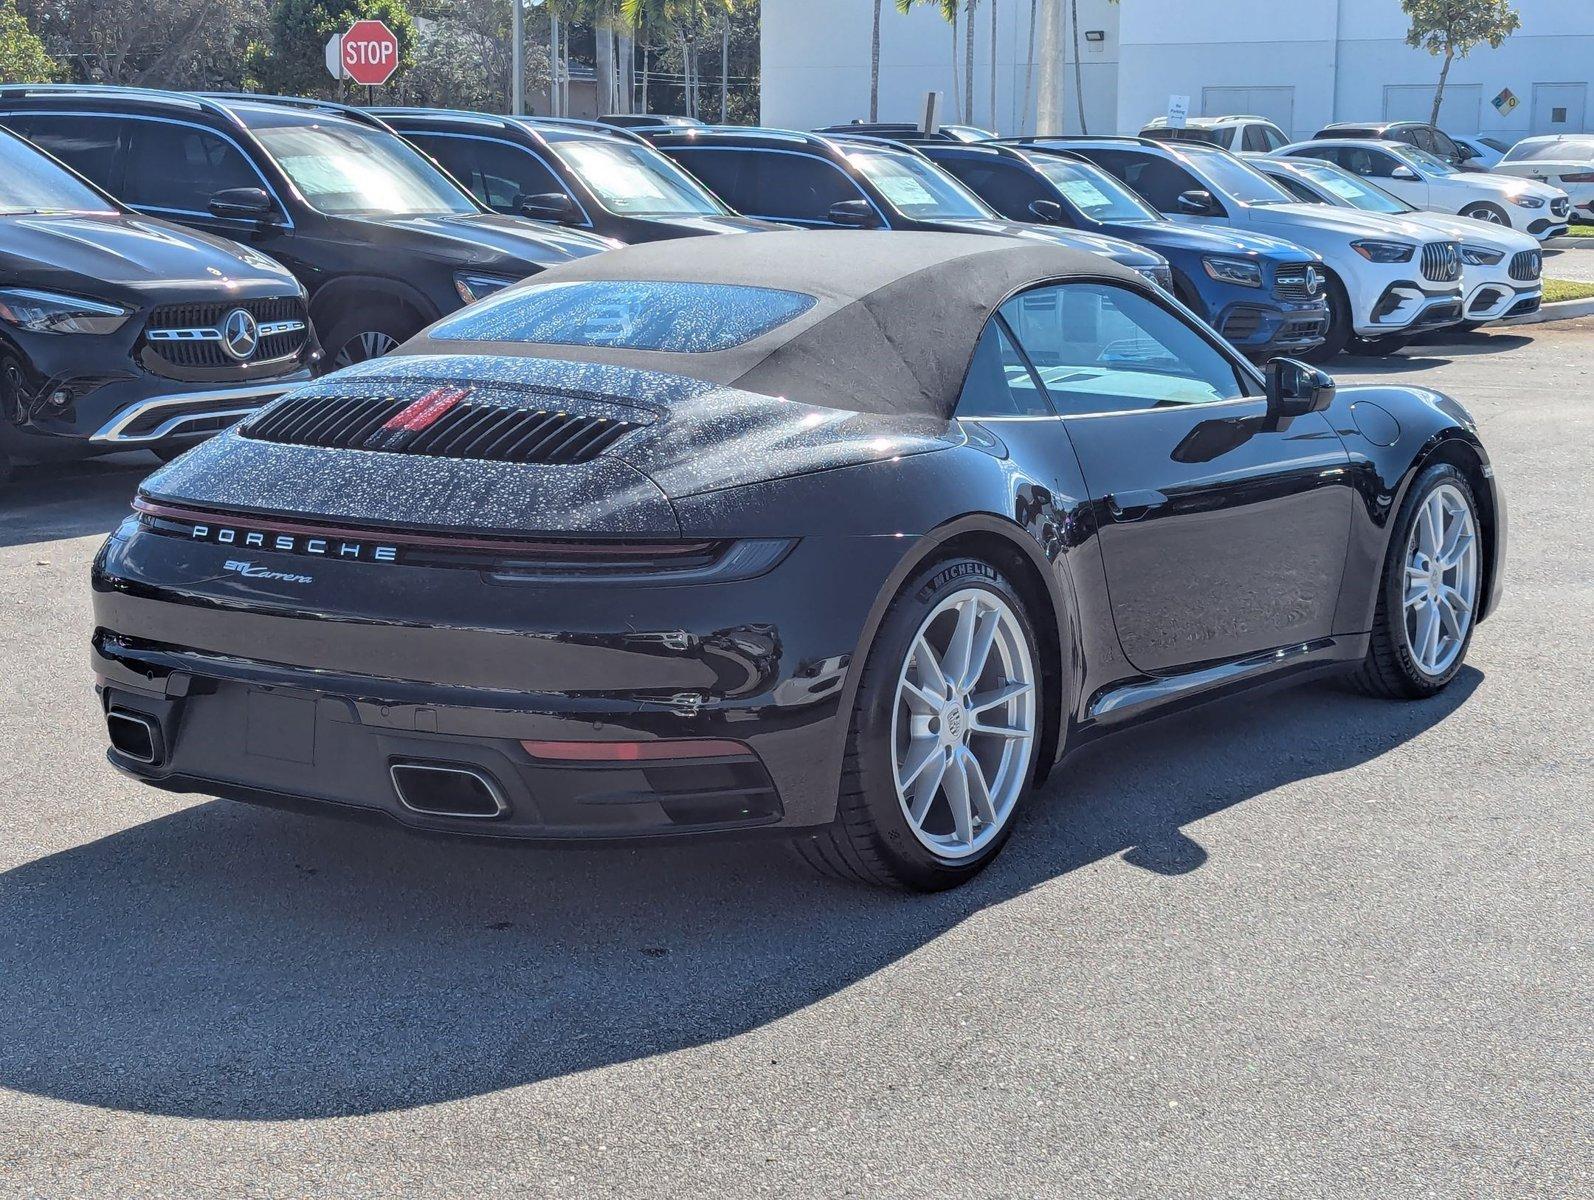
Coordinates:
370	52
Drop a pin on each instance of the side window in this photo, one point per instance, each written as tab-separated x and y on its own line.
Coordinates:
1419	137
1101	348
91	146
998	383
498	174
1272	137
1359	160
798	187
1444	146
1157	179
180	167
1008	189
1296	188
721	172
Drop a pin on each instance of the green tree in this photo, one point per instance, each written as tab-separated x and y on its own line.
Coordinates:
292	58
1453	27
23	58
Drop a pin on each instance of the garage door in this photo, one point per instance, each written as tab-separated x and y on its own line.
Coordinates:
1414	102
1277	104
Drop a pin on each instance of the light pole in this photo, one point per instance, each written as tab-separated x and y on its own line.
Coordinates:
517	40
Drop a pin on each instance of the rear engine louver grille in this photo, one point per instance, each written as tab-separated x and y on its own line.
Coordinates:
493	432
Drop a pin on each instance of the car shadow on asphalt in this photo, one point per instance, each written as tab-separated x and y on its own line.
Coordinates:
1436	350
49	502
229	962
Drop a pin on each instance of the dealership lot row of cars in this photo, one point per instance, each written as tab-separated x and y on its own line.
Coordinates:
255	241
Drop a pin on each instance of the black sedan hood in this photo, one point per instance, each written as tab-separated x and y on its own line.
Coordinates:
556	447
113	256
491	240
677	227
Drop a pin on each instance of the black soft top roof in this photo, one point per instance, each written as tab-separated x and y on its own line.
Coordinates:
896	321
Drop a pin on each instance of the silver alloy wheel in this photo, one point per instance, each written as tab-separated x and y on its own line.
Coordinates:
373	344
1484	213
1441	585
963	723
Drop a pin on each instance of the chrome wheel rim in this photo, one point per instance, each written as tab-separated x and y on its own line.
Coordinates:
963	723
1486	214
373	344
1441	579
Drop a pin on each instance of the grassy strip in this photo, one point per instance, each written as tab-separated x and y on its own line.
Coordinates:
1566	289
1581	231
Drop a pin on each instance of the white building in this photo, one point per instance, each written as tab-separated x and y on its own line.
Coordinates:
1301	62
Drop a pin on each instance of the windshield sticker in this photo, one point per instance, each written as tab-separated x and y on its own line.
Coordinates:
1083	193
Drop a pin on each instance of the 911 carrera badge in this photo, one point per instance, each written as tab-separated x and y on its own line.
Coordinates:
251	570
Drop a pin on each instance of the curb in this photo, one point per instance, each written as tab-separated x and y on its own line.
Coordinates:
1567	242
1562	310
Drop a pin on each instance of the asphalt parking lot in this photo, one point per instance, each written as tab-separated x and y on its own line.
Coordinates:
1305	944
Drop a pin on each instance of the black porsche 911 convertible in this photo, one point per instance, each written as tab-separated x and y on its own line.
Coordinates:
842	536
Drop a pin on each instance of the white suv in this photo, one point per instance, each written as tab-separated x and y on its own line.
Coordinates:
1500	268
1426	182
1243	134
1388	279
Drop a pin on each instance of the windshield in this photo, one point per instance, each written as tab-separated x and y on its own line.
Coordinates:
636	181
1435	166
1094	192
676	318
1348	191
32	183
349	170
1239	179
1581	149
918	189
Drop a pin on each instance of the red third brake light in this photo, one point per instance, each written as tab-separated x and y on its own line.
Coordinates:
618	752
426	411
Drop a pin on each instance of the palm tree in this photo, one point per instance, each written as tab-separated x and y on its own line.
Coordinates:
993	65
1029	68
1079	78
968	61
874	66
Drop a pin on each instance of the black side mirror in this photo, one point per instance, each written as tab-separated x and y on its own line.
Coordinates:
1198	202
1295	389
244	204
1048	211
854	214
548	206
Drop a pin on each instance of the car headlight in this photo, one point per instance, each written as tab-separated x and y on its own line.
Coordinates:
1384	252
1481	256
473	285
1161	276
51	312
1528	201
1234	270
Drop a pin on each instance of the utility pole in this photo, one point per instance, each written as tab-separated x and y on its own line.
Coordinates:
1049	96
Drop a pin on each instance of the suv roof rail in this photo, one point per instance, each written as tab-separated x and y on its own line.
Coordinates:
196	100
1042	140
584	126
309	104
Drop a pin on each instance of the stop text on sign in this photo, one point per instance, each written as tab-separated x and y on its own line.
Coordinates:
369	52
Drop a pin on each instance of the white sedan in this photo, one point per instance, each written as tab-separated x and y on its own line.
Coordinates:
1501	268
1426	182
1560	160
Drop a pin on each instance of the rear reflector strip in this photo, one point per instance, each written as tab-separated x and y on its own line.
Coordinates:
620	752
429	408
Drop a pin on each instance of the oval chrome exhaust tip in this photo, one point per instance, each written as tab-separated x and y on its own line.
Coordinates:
447	790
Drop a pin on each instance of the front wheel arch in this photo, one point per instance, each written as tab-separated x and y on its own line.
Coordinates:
1462	455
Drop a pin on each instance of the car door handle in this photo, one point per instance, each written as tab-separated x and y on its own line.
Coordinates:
1131	506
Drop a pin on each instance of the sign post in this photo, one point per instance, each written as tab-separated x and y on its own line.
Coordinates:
930	118
1178	111
368	53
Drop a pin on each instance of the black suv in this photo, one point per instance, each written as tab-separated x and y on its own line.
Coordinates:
589	176
1414	133
820	181
119	331
385	242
